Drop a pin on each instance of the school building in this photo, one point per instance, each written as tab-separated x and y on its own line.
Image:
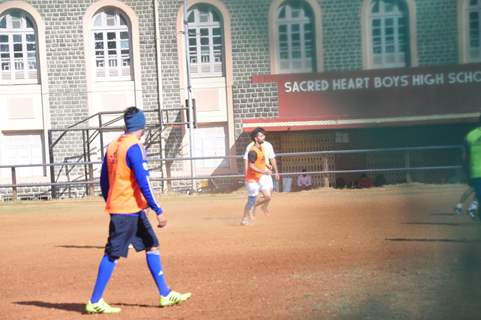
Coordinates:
317	74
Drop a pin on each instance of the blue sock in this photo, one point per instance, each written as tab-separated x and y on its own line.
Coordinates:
155	267
106	268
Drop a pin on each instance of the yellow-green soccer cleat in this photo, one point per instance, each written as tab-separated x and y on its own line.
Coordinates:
100	307
173	298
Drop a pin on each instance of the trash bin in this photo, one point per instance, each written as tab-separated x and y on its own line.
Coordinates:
286	184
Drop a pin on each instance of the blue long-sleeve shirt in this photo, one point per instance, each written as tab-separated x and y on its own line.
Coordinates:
137	162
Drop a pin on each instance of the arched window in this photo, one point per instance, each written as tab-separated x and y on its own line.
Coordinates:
111	34
474	30
296	45
389	32
18	48
206	41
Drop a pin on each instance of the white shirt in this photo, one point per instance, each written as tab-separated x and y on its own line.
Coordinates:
304	181
266	147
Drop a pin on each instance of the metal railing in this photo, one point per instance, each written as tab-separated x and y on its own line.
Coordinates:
92	139
89	181
89	136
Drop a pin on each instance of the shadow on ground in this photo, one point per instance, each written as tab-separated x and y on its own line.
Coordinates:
73	307
451	224
434	240
80	247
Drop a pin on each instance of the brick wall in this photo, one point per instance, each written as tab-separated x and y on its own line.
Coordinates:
250	55
342	45
437	32
342	50
66	64
341	34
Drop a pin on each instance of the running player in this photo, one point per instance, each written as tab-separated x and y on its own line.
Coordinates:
467	195
258	136
127	192
473	160
256	168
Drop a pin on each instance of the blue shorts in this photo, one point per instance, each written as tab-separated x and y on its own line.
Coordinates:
129	229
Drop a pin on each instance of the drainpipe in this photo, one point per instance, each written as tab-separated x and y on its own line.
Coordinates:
159	91
189	94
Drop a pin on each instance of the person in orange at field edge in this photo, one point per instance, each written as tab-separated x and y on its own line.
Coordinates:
125	185
256	168
258	137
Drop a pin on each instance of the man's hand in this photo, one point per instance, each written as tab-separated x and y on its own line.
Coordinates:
274	169
161	220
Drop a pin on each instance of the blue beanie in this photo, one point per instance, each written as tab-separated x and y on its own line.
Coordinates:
135	121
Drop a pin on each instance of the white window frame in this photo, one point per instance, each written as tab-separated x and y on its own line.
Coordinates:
113	68
215	66
401	55
303	63
22	70
203	135
33	145
473	53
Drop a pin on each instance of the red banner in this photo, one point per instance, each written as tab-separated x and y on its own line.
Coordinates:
387	96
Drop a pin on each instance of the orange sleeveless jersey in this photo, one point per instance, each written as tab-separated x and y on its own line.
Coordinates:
253	176
124	192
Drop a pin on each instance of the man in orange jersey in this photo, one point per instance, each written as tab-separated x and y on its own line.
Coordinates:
258	136
127	192
256	168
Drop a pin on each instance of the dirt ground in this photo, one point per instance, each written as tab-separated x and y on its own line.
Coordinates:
388	253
